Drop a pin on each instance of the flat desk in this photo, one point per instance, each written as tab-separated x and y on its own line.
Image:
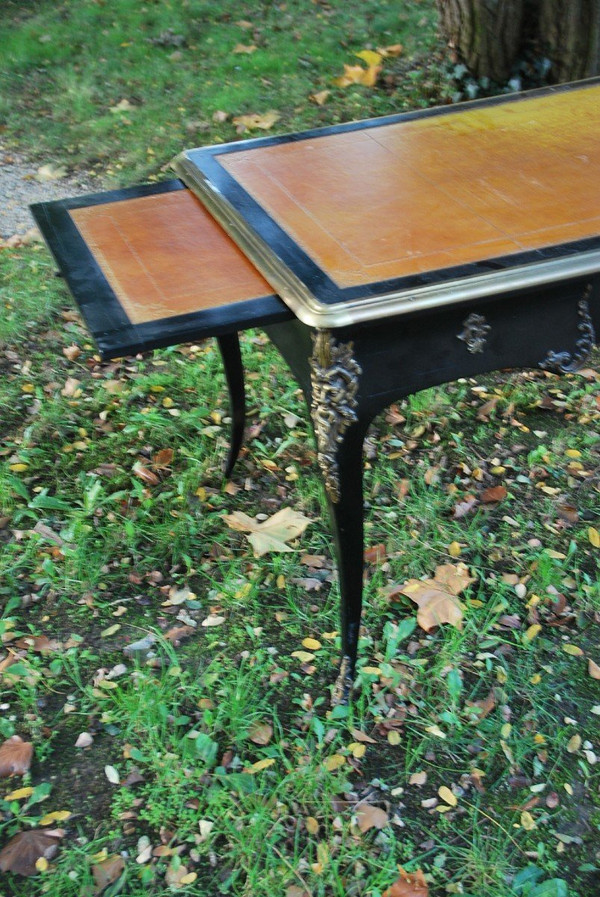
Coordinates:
381	258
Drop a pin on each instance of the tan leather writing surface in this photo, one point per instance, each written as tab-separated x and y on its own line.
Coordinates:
164	255
388	201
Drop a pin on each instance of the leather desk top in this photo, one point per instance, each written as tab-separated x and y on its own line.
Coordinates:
364	220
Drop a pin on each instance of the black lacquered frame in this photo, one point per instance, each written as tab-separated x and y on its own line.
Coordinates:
104	315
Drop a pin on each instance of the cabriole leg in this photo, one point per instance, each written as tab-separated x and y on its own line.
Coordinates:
229	346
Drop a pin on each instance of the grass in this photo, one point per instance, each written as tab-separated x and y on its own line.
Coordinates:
216	764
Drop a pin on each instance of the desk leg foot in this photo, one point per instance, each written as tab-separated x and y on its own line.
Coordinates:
229	346
342	691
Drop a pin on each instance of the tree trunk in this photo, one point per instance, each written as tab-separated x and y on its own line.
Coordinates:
484	34
569	31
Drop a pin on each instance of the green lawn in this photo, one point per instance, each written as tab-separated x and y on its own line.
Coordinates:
174	687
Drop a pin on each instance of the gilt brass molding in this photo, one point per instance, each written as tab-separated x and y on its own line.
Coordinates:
334	381
567	362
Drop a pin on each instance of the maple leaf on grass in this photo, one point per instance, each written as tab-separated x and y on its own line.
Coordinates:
15	757
408	884
255	121
23	852
437	598
356	74
271	534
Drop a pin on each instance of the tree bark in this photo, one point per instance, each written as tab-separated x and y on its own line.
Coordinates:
484	34
569	31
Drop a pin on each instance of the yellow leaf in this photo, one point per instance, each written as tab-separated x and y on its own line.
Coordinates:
371	671
303	656
41	864
573	650
261	764
56	816
320	98
574	744
311	643
435	730
312	825
18	467
358	750
370	57
393	737
245	48
334	762
448	796
188	879
391	51
573	453
568	788
255	121
454	549
527	821
594	537
531	632
19	794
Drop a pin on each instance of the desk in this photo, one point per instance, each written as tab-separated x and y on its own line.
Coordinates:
387	256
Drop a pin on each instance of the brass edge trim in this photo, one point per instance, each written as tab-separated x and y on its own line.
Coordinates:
316	314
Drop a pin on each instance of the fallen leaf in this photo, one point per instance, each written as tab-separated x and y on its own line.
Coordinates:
15	757
254	121
360	736
145	474
334	762
84	739
112	775
311	643
213	620
408	885
447	796
41	644
245	48
357	74
107	871
593	669
391	51
320	98
163	458
271	534
260	733
23	851
494	494
50	172
462	508
594	537
369	816
260	765
418	778
436	604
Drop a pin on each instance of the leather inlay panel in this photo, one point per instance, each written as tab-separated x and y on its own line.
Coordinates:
438	191
165	255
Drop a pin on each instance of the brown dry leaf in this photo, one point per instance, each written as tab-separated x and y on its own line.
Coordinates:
484	707
369	816
320	98
360	736
376	554
145	474
176	634
437	598
391	51
15	757
260	733
255	121
72	352
493	494
271	534
593	669
163	458
245	48
107	871
23	851
408	885
41	644
71	387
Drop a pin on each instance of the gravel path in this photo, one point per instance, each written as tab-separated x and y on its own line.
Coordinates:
20	185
